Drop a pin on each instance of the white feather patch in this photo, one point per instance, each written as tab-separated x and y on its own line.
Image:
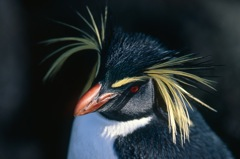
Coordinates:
123	128
93	135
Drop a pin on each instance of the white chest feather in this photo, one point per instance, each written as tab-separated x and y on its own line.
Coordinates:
93	136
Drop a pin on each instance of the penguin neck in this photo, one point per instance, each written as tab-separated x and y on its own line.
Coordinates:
113	129
106	128
99	133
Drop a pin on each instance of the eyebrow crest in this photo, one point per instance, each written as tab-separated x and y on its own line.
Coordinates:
127	80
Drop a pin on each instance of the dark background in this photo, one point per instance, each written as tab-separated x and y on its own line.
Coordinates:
36	117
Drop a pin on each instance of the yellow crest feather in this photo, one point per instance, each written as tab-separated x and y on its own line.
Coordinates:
79	44
127	80
166	75
174	95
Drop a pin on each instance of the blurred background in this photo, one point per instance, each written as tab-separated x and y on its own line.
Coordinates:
36	117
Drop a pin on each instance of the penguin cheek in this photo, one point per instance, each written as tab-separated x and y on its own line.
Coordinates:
127	107
132	103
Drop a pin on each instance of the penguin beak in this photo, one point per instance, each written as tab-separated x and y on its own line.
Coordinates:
92	100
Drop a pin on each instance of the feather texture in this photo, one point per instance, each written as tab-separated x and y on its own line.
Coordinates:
168	76
169	73
79	44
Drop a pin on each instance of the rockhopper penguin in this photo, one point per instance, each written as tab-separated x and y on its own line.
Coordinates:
137	106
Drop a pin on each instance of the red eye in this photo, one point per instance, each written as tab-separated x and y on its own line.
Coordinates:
134	89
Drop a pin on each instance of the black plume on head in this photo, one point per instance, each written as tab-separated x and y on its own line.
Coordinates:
128	54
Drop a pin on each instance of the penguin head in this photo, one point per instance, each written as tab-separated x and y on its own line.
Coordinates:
132	101
132	74
121	86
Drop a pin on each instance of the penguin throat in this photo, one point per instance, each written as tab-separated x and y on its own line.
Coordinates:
96	133
116	128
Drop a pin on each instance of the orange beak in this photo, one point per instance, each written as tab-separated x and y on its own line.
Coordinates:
91	101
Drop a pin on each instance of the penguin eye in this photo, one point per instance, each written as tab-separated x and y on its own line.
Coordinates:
134	89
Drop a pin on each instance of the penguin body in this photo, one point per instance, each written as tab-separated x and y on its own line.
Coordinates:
107	133
152	141
136	105
94	136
